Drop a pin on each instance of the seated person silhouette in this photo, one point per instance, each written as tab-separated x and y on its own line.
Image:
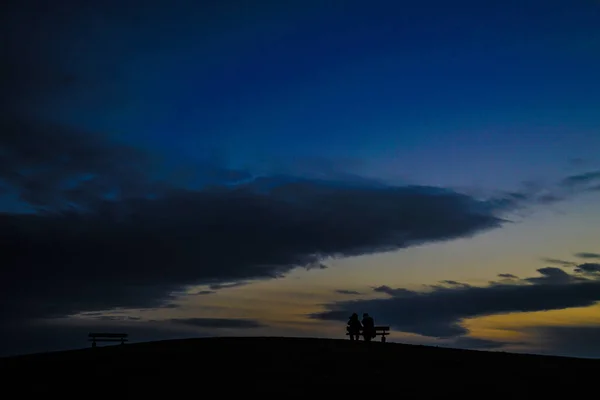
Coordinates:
368	324
354	327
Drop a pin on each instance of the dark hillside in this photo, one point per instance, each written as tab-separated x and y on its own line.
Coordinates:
291	366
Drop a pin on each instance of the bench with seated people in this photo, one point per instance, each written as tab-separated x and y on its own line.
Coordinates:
107	337
382	331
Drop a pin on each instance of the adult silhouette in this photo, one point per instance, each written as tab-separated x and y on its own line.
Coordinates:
354	327
368	324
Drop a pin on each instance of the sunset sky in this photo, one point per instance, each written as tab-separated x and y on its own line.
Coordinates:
208	168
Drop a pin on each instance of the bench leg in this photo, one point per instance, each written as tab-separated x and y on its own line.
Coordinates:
382	339
94	343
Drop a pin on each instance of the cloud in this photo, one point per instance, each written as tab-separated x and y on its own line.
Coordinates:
581	179
393	292
533	193
553	275
440	311
218	323
348	292
87	251
204	292
562	263
588	255
117	318
54	167
588	268
219	286
316	265
449	283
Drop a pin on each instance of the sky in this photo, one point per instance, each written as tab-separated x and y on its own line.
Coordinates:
227	168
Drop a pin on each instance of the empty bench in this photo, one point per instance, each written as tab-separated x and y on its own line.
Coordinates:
107	337
382	331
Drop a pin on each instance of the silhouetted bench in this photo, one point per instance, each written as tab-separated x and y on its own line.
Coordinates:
382	331
107	337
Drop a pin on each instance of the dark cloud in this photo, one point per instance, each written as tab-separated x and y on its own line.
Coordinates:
508	276
581	179
348	292
553	275
219	286
451	282
117	318
54	167
393	292
534	193
588	268
218	323
556	261
135	251
204	292
446	283
316	265
440	311
588	255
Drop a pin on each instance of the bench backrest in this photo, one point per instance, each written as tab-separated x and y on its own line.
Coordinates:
377	329
108	335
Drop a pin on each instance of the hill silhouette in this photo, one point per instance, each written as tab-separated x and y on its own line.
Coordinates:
291	367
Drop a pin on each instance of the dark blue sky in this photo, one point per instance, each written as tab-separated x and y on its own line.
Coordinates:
427	91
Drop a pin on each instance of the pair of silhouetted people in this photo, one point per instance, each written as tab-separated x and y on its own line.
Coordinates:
367	326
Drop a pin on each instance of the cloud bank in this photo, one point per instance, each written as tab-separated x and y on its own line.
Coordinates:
439	311
134	252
